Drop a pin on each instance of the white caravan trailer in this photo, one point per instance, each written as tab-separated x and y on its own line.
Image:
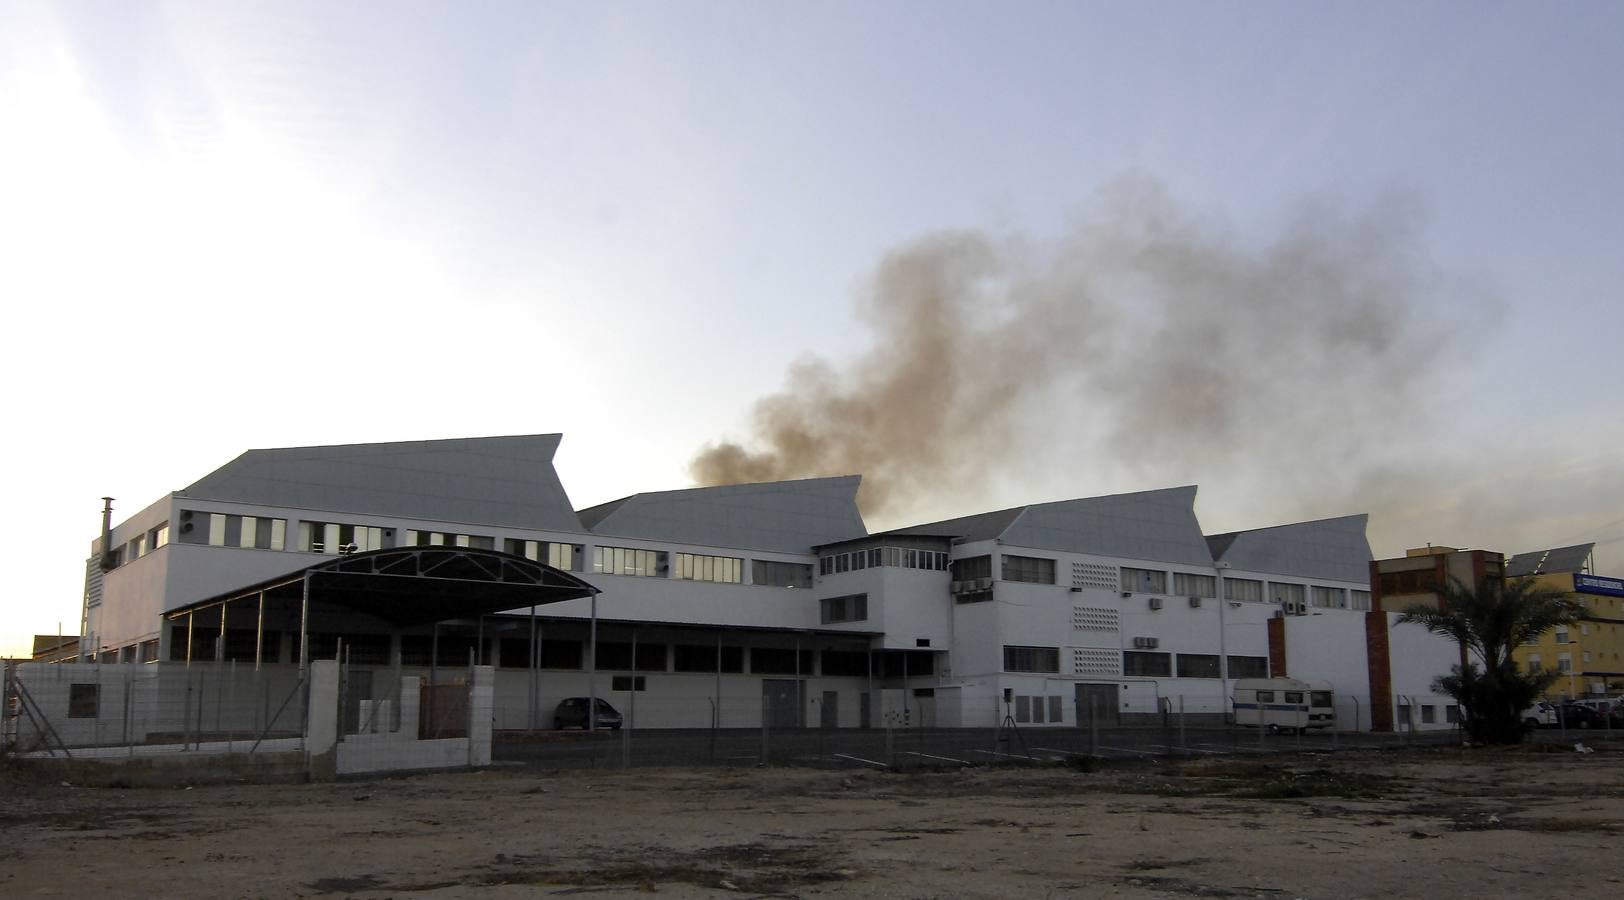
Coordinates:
1284	704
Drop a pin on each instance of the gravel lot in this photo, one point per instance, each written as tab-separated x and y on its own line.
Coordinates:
1427	823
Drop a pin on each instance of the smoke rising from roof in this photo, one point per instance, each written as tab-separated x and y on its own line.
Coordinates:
1146	344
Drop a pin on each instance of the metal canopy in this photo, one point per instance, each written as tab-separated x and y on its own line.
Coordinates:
411	586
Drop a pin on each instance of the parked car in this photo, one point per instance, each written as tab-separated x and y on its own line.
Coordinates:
1577	715
1540	715
571	713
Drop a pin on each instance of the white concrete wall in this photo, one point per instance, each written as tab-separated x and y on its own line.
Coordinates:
1329	646
1418	657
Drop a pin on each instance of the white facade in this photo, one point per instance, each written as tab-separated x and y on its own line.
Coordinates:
1115	605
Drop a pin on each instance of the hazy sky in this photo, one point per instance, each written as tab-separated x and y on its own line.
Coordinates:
227	225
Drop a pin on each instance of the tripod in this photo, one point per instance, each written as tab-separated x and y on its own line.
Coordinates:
1006	731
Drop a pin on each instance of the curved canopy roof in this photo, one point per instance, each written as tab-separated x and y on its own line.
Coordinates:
410	586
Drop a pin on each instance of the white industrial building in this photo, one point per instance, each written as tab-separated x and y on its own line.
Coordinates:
731	605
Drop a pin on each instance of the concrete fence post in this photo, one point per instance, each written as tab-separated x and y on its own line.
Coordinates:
321	729
481	710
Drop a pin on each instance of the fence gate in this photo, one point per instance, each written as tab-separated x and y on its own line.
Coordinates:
1097	699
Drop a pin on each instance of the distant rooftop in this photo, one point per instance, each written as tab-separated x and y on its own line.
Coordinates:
1545	562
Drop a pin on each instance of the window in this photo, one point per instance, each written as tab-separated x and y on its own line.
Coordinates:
1294	697
1330	598
1030	569
1359	600
1055	709
1321	699
1452	714
158	537
559	556
702	658
628	683
1564	663
562	654
1248	667
223	530
1288	593
1429	714
1031	659
850	608
1245	589
1187	585
780	661
725	569
629	561
1265	696
447	539
1141	662
849	663
138	547
898	557
1144	581
1023	709
1534	665
780	574
972	568
84	701
1198	665
1562	635
334	537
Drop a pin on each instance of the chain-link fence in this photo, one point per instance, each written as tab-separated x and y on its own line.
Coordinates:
786	728
95	710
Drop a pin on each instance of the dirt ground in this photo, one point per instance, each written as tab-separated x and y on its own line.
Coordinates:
1433	824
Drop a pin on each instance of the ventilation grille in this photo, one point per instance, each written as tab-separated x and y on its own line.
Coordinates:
1095	618
1092	661
1094	575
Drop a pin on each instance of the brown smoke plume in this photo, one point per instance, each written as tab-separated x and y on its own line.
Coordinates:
1146	342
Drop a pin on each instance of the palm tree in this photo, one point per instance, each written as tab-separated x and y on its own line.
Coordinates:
1489	622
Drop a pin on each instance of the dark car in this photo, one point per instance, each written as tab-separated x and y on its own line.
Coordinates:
1573	715
571	713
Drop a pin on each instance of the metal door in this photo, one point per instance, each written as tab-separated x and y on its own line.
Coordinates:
781	697
829	711
1097	699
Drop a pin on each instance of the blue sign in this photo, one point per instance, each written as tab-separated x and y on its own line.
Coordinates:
1595	584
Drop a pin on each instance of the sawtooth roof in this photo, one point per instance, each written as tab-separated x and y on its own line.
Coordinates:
490	480
1325	548
783	516
1157	525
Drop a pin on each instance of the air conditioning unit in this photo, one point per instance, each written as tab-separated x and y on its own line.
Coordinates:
983	584
1155	603
1195	602
1146	643
956	587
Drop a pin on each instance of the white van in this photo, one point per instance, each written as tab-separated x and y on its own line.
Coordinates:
1284	704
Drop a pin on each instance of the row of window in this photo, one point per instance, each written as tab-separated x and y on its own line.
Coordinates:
851	608
1046	660
724	569
894	557
453	651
